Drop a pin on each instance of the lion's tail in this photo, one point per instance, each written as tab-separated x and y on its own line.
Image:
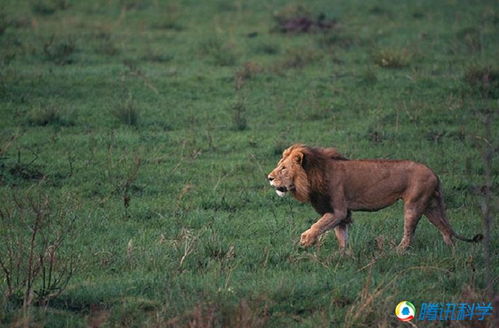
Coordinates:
439	195
477	238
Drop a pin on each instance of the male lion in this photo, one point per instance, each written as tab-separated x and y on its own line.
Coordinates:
336	186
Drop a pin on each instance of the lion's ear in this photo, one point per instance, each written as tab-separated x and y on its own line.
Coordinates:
299	158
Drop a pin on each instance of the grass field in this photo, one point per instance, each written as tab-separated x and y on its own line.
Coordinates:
135	137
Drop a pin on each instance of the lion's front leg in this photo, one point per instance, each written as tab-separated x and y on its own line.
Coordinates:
326	222
309	237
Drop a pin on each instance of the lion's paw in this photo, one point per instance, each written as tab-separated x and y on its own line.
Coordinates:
308	238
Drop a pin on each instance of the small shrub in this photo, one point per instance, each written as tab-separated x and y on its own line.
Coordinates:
136	72
210	45
27	172
168	19
48	7
380	11
418	15
61	51
249	70
134	4
7	56
127	112
14	173
290	11
267	48
48	115
297	19
483	81
222	53
106	45
245	314
108	49
169	24
298	58
435	135
13	45
375	136
226	57
471	38
239	116
125	187
392	58
335	38
4	23
369	76
35	266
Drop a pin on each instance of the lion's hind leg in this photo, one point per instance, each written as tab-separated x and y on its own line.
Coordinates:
416	200
412	214
341	233
436	215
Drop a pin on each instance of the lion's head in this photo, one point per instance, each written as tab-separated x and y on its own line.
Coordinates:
286	177
298	170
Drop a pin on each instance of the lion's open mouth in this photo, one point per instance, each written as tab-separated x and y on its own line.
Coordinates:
282	191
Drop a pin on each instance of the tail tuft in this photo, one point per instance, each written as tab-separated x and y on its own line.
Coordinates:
478	238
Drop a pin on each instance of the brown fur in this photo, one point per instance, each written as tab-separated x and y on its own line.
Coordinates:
336	186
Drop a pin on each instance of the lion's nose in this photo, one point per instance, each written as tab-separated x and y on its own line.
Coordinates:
270	178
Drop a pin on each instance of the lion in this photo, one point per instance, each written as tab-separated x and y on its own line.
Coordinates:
337	186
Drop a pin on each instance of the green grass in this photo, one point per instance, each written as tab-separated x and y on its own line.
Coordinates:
160	121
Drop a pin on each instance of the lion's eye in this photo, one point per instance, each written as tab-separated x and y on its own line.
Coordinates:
283	168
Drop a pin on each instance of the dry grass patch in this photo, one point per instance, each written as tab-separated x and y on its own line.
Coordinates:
392	58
